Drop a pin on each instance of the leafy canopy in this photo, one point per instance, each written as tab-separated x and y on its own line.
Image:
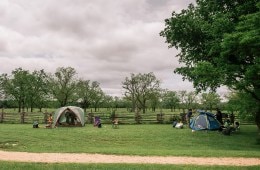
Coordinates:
219	42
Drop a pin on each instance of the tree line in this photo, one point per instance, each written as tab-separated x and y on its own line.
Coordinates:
28	90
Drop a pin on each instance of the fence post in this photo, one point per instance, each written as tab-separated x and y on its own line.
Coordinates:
45	117
138	116
22	117
2	116
160	118
90	117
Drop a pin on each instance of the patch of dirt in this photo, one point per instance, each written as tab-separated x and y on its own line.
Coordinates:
99	158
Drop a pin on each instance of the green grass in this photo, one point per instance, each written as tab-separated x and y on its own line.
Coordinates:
55	166
161	140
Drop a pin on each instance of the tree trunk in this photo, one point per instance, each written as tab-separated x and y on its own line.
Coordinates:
257	119
133	104
19	107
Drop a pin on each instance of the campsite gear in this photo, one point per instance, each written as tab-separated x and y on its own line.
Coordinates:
179	125
97	122
227	131
205	121
35	124
174	123
69	116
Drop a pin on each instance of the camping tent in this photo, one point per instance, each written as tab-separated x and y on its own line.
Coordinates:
69	116
205	121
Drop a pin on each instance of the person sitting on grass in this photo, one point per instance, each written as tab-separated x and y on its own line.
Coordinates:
115	123
49	121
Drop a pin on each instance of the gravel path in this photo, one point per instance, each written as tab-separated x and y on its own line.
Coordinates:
99	158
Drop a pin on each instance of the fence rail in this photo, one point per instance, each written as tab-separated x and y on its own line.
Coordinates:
131	118
105	118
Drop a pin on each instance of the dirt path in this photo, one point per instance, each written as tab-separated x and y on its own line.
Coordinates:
99	158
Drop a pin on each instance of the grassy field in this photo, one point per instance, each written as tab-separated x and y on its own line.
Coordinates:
56	166
160	140
143	140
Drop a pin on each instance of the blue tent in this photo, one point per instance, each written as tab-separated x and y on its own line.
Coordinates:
205	121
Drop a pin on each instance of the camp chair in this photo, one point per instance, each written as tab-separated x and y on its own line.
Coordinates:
97	121
48	126
35	124
115	124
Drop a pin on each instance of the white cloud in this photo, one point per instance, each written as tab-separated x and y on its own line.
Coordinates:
103	40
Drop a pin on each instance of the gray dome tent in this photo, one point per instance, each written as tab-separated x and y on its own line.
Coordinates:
69	116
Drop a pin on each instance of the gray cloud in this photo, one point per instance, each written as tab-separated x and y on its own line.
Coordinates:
103	40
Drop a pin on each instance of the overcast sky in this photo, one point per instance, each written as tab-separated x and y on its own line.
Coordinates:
104	40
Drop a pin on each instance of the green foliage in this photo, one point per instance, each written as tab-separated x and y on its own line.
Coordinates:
27	89
243	103
219	43
170	99
187	99
140	88
63	85
210	100
89	93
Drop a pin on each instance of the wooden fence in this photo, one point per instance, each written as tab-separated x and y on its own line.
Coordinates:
130	118
41	117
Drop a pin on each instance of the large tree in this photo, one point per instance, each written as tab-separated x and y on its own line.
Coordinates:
63	85
140	88
16	86
38	91
29	90
219	42
87	92
171	99
210	100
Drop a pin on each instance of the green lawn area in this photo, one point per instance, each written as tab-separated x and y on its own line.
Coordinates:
58	166
152	139
161	140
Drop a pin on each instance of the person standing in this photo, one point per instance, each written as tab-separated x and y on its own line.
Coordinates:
232	118
219	116
188	117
